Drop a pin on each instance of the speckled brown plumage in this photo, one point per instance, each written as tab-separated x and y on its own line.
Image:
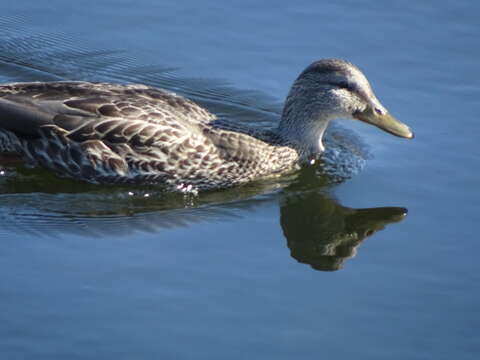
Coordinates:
106	133
112	133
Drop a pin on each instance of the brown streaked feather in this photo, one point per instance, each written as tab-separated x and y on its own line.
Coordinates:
109	133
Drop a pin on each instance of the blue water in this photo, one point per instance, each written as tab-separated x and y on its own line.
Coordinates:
284	270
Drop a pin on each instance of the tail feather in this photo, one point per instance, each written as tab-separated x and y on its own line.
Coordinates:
22	117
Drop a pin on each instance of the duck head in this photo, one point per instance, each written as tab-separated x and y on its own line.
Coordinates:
330	89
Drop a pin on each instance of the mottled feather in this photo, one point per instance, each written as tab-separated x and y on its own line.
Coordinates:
109	133
112	133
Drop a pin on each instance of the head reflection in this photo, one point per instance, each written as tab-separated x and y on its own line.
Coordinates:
322	233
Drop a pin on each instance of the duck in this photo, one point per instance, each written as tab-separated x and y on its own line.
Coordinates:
108	133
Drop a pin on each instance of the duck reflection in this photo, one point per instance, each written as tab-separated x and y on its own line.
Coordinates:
319	231
324	234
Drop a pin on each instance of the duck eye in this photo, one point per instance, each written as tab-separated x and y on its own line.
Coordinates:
344	85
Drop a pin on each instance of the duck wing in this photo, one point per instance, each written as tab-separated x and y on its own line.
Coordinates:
26	107
100	132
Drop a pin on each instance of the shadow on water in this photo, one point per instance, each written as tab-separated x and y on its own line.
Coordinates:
319	231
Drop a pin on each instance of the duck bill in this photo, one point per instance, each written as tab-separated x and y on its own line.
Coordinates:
386	122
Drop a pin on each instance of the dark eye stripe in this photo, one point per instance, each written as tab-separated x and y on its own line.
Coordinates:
344	85
353	88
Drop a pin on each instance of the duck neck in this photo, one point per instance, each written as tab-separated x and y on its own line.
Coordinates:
302	126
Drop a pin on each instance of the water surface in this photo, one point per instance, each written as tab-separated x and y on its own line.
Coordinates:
320	264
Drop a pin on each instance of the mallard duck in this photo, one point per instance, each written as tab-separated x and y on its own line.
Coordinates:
113	133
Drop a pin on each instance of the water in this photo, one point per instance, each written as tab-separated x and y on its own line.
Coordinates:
301	267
